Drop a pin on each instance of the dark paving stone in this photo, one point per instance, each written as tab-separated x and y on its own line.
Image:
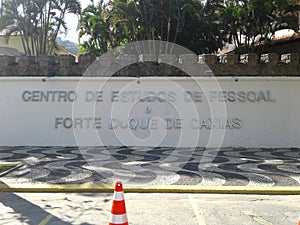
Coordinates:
143	165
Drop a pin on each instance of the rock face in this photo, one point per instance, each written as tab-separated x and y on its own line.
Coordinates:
149	65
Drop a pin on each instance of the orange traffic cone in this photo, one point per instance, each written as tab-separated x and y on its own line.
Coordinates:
299	220
118	209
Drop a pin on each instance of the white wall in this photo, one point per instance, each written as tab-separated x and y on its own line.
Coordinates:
269	118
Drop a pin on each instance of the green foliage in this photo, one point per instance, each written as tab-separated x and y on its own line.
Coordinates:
5	167
250	21
95	23
201	26
38	22
203	31
180	21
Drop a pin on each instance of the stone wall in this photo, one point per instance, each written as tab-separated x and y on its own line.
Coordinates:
167	65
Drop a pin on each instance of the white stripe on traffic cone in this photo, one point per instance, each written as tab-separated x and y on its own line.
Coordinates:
118	210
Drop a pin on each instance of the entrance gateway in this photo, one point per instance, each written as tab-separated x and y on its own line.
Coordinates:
197	109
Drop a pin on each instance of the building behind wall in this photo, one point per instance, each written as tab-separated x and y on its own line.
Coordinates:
14	42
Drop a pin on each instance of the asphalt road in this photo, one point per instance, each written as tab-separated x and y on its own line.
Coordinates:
149	209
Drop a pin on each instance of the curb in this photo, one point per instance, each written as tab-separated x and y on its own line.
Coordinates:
105	188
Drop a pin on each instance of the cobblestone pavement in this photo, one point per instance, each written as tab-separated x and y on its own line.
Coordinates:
144	165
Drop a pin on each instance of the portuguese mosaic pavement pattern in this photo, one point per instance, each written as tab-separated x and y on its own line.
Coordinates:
144	165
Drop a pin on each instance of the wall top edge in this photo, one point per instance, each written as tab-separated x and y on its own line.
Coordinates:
151	78
125	65
231	58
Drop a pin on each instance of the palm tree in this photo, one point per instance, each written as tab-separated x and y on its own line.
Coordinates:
38	22
63	7
249	21
298	3
1	12
95	23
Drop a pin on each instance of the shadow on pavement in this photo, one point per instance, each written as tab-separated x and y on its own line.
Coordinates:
25	211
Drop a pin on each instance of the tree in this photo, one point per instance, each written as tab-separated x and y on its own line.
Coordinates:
190	23
201	26
38	22
94	23
149	19
203	30
251	21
